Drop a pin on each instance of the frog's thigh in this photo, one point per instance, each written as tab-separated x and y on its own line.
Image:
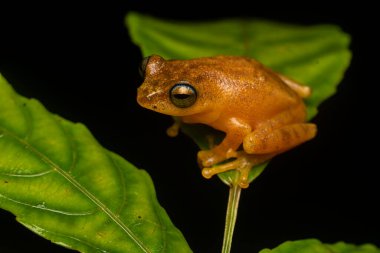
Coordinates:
278	140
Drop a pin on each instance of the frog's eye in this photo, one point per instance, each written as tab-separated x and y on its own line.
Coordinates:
143	65
183	95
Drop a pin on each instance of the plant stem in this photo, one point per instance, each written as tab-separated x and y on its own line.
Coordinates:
231	215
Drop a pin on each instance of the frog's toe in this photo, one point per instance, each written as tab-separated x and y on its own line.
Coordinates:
244	168
240	164
231	165
208	173
243	164
208	158
231	153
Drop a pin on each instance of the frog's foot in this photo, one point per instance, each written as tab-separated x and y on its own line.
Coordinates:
243	164
208	158
173	130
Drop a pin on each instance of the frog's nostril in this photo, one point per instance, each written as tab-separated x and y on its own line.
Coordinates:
154	107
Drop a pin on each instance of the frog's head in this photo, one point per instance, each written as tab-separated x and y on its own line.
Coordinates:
175	87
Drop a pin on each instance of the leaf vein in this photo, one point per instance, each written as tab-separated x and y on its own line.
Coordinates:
122	180
82	189
42	230
44	208
74	150
27	175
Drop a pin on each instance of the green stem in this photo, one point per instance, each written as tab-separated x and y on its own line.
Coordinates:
231	215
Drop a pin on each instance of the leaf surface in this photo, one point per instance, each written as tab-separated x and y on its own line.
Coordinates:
63	185
315	246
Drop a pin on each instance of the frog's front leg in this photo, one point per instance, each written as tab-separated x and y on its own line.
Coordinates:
236	130
173	130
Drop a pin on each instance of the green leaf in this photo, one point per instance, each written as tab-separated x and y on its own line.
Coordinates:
315	55
61	184
342	247
315	246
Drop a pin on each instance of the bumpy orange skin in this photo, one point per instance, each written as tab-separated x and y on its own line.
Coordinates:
257	108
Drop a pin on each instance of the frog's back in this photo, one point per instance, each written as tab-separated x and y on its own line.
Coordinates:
252	90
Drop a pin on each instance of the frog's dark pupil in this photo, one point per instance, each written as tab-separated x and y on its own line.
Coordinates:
181	96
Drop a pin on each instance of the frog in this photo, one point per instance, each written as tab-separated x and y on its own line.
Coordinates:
261	112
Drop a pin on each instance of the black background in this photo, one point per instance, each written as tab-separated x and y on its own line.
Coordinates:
77	58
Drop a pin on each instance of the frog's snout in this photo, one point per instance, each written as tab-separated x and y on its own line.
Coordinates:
147	97
142	98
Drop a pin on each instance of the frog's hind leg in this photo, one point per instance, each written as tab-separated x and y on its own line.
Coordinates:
243	163
266	141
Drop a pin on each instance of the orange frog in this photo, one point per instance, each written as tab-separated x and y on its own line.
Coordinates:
257	108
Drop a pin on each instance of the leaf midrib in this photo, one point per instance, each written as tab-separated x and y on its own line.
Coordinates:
79	187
